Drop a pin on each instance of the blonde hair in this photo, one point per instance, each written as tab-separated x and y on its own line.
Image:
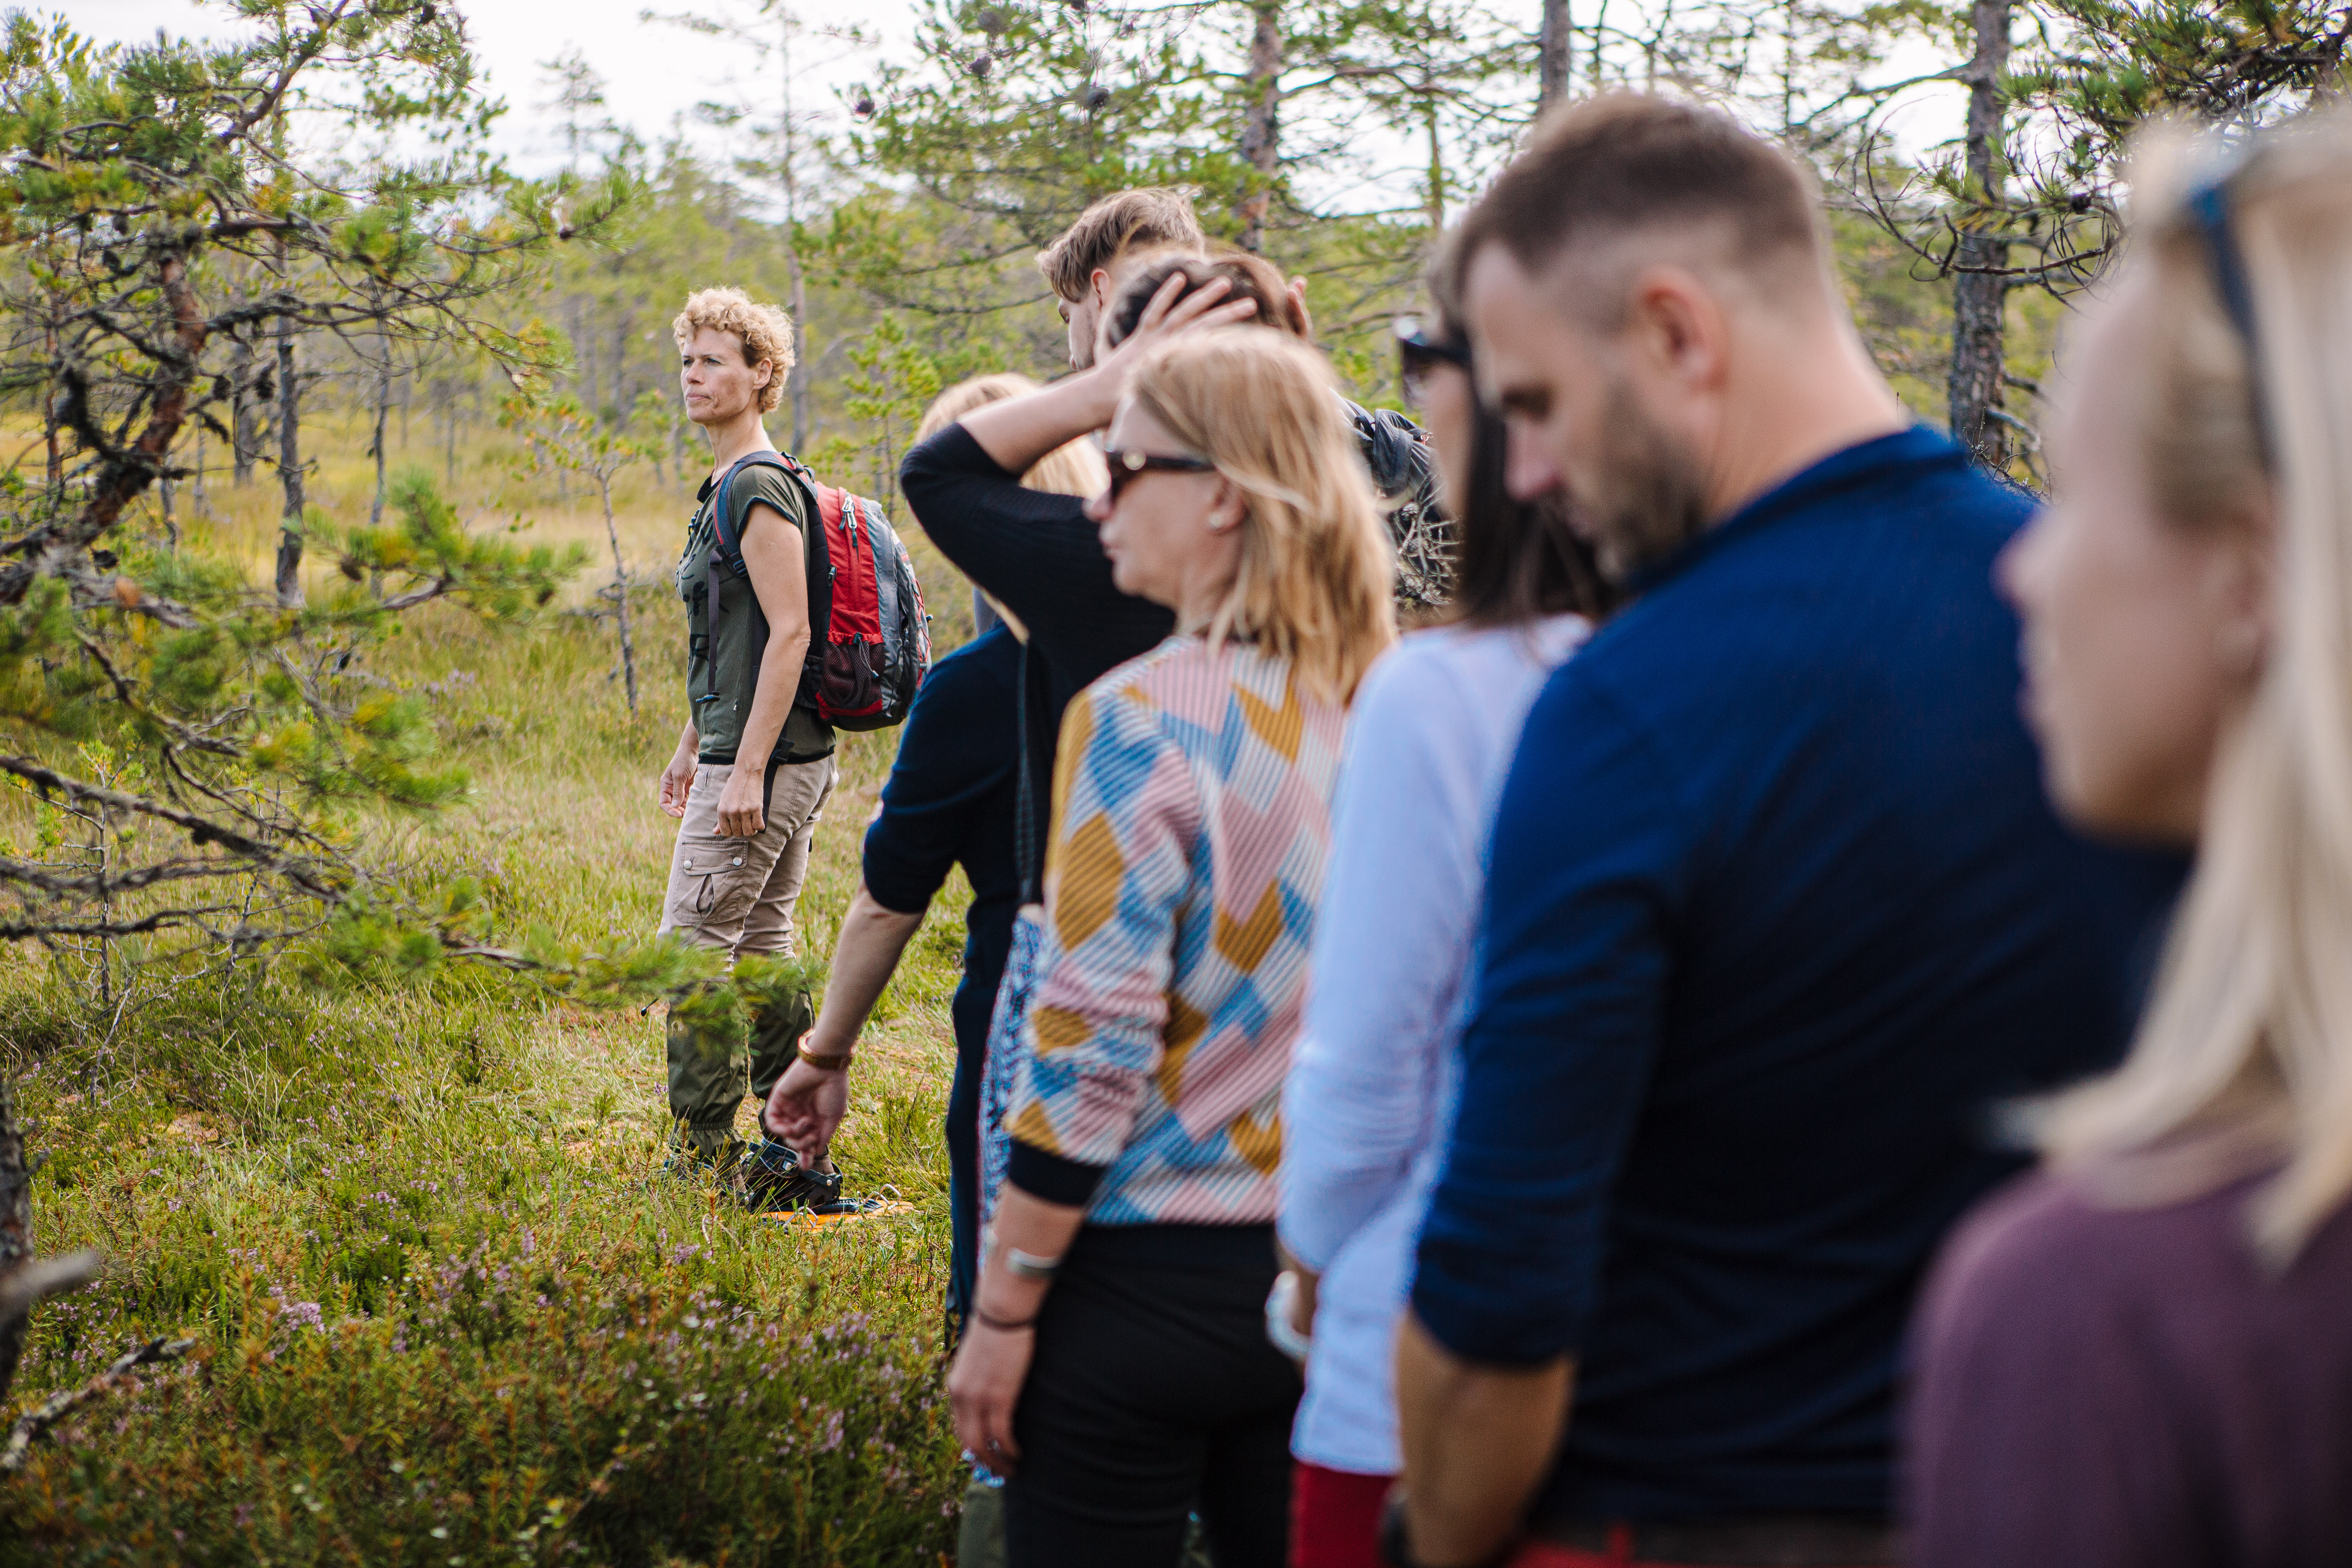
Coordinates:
2250	1032
764	331
1313	584
1073	468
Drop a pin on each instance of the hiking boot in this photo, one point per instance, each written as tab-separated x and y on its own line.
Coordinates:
696	1167
773	1180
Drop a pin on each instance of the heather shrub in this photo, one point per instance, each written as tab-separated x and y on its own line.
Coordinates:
523	1408
419	1231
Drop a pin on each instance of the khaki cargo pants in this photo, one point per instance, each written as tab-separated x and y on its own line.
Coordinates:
737	894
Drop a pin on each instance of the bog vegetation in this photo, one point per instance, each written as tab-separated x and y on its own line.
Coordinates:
337	655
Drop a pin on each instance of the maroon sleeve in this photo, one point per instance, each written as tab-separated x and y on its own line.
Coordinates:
2042	1430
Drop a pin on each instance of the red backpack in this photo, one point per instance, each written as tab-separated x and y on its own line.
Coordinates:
866	661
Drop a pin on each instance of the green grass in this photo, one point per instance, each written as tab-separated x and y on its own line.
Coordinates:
447	1308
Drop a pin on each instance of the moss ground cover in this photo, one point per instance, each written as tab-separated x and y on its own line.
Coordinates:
447	1308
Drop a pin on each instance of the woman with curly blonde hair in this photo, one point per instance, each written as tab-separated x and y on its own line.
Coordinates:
1116	1365
2140	1355
754	765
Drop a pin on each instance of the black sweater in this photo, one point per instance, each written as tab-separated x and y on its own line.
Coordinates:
1038	555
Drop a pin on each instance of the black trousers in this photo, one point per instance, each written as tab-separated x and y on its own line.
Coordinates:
963	1179
1153	1394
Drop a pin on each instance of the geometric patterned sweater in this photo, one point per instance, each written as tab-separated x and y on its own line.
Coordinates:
1192	819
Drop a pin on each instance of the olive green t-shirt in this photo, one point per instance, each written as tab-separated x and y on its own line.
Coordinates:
718	687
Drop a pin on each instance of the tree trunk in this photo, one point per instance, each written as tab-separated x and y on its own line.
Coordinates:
1435	199
25	1280
798	382
788	169
621	595
15	1224
56	471
622	330
383	416
240	413
1979	291
583	360
1555	49
1260	124
289	470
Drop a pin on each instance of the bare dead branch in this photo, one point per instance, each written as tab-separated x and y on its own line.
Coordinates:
36	1280
38	1420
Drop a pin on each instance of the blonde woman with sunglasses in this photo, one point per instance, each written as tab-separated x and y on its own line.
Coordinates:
1116	1366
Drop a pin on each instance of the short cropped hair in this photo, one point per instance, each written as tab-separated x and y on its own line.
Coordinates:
1605	167
1247	277
764	331
1148	215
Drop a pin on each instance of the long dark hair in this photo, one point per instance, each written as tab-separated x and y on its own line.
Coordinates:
1517	560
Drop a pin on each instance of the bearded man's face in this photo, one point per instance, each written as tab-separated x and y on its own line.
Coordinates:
1636	489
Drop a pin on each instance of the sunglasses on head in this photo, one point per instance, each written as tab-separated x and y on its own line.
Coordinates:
1418	353
2212	205
1127	466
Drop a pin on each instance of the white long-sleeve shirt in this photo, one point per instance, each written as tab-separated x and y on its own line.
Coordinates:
1371	1095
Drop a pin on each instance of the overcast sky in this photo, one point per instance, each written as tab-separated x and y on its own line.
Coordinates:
655	73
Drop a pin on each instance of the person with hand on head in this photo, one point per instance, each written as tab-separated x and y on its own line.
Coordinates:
1775	911
1395	451
1036	555
950	801
754	762
2139	1355
1368	1102
1039	560
1116	1366
1080	268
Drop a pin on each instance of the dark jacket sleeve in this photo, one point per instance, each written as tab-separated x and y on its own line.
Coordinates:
960	746
1035	551
1569	996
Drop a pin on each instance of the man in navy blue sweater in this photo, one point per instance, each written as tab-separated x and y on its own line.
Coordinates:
1777	918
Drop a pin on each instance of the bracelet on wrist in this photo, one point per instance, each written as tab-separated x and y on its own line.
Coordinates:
1002	1325
824	1064
1029	1266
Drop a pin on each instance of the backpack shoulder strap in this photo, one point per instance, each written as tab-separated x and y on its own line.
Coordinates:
723	531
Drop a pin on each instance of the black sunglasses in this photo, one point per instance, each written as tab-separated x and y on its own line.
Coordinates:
1127	466
1417	353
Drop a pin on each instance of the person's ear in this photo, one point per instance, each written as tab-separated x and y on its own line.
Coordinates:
1099	281
2239	584
762	374
1678	325
1227	507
